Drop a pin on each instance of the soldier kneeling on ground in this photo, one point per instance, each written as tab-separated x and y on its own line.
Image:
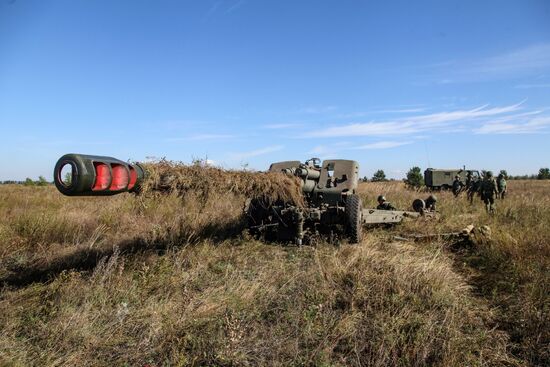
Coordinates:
425	207
383	204
430	203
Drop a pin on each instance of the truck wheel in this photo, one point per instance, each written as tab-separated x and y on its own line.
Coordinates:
354	211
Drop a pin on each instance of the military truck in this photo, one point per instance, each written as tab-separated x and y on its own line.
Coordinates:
442	179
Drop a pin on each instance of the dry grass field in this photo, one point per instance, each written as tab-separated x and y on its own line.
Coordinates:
161	281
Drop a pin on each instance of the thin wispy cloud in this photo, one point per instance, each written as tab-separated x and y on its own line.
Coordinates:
333	148
197	137
281	126
257	152
383	145
215	6
380	111
313	110
434	122
227	7
402	110
529	125
529	60
235	6
532	86
320	149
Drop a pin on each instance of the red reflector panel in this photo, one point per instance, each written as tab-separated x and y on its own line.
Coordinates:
120	177
133	178
102	177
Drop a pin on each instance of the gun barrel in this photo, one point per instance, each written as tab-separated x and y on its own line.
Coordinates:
90	175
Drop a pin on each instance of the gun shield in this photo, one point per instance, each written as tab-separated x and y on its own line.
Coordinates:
89	175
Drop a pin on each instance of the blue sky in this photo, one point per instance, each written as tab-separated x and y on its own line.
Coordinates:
247	82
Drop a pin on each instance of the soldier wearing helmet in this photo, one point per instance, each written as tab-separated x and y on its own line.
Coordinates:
457	186
383	204
473	188
488	190
501	185
430	203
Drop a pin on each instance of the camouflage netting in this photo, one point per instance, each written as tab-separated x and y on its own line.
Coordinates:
204	180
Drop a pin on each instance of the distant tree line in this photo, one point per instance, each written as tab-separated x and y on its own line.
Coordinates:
28	182
544	174
415	178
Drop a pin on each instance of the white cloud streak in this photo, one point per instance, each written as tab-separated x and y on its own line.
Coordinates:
313	110
383	145
281	126
521	62
441	122
235	6
375	112
200	137
532	86
531	58
523	126
257	152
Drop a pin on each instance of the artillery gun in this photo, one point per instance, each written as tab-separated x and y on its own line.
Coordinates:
331	204
330	201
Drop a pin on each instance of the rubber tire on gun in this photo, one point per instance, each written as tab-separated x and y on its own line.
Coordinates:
354	211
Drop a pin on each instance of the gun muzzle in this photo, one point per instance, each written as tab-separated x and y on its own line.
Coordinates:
90	175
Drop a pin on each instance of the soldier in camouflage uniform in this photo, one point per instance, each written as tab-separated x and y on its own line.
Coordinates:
468	179
457	186
430	203
501	186
472	189
383	204
488	191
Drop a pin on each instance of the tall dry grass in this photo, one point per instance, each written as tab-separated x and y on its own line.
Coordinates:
196	292
511	268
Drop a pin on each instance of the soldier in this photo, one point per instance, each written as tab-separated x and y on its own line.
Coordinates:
468	179
488	191
383	204
472	189
457	186
501	186
430	203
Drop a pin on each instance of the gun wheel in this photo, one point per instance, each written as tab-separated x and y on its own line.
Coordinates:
354	211
257	214
419	205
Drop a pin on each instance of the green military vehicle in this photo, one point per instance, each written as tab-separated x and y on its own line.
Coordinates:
442	179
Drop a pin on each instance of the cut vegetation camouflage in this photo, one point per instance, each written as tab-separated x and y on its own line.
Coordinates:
204	180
